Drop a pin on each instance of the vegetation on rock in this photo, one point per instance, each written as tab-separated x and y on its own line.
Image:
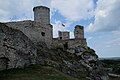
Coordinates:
35	72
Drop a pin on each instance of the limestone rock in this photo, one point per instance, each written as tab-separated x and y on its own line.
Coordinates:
85	65
16	49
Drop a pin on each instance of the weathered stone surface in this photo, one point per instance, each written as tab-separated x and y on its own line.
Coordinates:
86	64
68	55
16	49
35	31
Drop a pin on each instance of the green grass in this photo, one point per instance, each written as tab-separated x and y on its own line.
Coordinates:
35	72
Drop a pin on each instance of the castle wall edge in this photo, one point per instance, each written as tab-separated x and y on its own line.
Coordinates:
34	30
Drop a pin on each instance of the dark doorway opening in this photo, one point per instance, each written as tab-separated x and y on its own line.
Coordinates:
66	45
61	38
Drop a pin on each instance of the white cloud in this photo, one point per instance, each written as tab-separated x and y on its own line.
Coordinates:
90	28
107	21
42	2
108	46
107	16
70	9
74	10
115	42
12	10
58	27
89	38
15	9
117	32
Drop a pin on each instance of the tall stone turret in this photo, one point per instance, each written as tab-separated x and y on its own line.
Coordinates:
79	32
42	14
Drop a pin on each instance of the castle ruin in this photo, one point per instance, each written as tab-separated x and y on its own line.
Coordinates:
24	43
41	31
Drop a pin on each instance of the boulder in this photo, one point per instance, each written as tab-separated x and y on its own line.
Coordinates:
16	49
83	63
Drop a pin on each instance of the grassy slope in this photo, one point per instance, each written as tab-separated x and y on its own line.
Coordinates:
35	72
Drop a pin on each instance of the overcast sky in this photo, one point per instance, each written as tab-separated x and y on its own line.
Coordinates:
100	18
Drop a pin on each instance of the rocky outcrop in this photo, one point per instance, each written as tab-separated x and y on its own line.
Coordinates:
16	49
82	62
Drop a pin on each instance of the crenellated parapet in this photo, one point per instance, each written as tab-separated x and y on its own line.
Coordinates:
64	41
41	31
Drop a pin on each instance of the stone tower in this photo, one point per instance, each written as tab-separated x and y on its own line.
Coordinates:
79	32
42	14
64	35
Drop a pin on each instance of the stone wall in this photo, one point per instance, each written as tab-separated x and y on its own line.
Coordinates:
42	14
16	49
63	41
34	30
64	35
40	30
71	43
79	31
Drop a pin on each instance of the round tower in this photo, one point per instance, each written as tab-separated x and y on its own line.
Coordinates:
42	14
79	32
